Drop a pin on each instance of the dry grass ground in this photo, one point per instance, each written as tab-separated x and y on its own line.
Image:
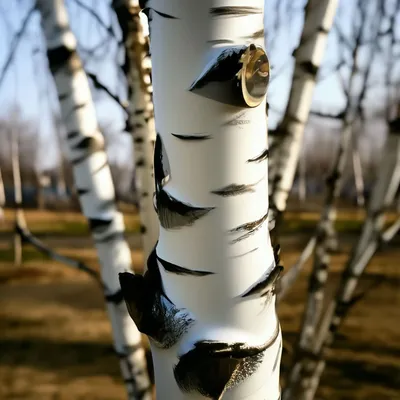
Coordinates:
55	339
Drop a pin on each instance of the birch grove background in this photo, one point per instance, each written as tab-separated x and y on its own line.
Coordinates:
338	234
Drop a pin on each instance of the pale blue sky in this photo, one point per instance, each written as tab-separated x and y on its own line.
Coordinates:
27	81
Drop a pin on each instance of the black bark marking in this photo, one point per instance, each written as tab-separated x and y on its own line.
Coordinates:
248	229
174	214
238	120
147	10
234	190
191	137
112	236
309	68
138	140
115	298
78	106
143	229
176	269
171	212
213	367
99	224
82	192
221	41
59	56
265	286
262	157
103	165
234	11
140	162
73	135
224	68
322	29
394	126
149	307
63	96
89	143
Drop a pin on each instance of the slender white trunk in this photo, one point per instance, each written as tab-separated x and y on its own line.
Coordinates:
19	212
302	179
95	188
207	301
319	16
357	170
142	122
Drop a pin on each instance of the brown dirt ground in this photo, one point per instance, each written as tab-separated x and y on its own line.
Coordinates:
55	338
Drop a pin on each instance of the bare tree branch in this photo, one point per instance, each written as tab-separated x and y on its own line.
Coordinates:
14	44
98	85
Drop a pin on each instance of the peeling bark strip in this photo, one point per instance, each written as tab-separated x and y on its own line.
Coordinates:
148	305
266	285
202	332
175	269
249	228
212	368
95	188
172	213
262	157
234	190
318	20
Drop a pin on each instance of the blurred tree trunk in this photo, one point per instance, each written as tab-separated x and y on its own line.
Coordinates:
318	20
19	212
95	188
137	68
207	300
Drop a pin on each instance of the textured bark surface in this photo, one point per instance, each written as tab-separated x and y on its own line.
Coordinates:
207	301
319	16
95	188
141	114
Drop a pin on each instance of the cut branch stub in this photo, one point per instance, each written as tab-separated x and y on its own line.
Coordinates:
237	76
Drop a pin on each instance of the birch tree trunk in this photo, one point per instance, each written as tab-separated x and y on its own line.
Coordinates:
318	20
95	188
207	301
141	117
19	212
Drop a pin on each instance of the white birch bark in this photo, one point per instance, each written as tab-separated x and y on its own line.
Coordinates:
207	301
319	16
95	188
142	121
19	212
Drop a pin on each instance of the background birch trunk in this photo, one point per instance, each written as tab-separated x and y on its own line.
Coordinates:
19	212
95	188
318	20
207	300
141	115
